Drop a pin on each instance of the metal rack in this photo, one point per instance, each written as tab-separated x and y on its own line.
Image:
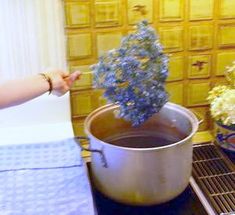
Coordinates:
214	173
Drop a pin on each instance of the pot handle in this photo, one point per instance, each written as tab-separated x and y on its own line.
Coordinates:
103	159
199	117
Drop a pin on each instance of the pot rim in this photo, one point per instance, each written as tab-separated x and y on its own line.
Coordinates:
187	113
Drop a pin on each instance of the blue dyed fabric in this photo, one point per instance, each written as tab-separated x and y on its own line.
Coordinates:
44	179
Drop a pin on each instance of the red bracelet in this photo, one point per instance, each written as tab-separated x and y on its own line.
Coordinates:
48	79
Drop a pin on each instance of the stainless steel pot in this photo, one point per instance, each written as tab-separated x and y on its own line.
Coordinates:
145	174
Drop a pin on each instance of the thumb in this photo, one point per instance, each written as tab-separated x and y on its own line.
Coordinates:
74	76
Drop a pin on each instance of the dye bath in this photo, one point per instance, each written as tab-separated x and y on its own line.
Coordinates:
142	140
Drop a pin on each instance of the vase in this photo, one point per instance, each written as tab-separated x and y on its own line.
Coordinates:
225	136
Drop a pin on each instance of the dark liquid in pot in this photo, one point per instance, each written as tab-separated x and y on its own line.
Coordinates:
142	141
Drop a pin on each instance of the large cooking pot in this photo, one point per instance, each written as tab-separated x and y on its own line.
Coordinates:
144	165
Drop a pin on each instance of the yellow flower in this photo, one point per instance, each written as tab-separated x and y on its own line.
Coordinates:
223	107
222	99
216	92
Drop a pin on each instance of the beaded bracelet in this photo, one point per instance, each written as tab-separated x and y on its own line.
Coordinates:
48	79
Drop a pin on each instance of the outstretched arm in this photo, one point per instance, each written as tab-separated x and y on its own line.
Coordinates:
16	92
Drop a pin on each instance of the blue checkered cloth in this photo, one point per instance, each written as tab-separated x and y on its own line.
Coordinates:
44	179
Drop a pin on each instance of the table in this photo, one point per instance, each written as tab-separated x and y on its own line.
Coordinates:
42	177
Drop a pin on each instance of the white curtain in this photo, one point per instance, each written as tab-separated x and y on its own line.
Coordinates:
32	37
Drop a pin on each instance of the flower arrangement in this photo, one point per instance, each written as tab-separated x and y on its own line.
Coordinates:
222	100
134	75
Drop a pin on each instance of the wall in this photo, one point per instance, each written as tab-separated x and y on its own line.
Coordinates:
199	35
31	37
31	40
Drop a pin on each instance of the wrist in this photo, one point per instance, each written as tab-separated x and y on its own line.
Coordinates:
47	78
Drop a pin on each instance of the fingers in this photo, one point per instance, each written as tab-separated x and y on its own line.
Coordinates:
61	91
62	81
64	74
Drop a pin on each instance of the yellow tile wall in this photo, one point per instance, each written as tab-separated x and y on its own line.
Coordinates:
199	36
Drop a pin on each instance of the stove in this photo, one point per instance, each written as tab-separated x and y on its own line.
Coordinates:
211	189
185	204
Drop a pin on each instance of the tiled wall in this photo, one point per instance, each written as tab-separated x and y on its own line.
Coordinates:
199	35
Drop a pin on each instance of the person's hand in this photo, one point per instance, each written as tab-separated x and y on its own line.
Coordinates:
62	81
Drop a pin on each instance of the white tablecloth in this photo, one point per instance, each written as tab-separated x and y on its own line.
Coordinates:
44	178
41	172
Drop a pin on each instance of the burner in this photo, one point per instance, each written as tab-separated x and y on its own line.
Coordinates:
185	204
